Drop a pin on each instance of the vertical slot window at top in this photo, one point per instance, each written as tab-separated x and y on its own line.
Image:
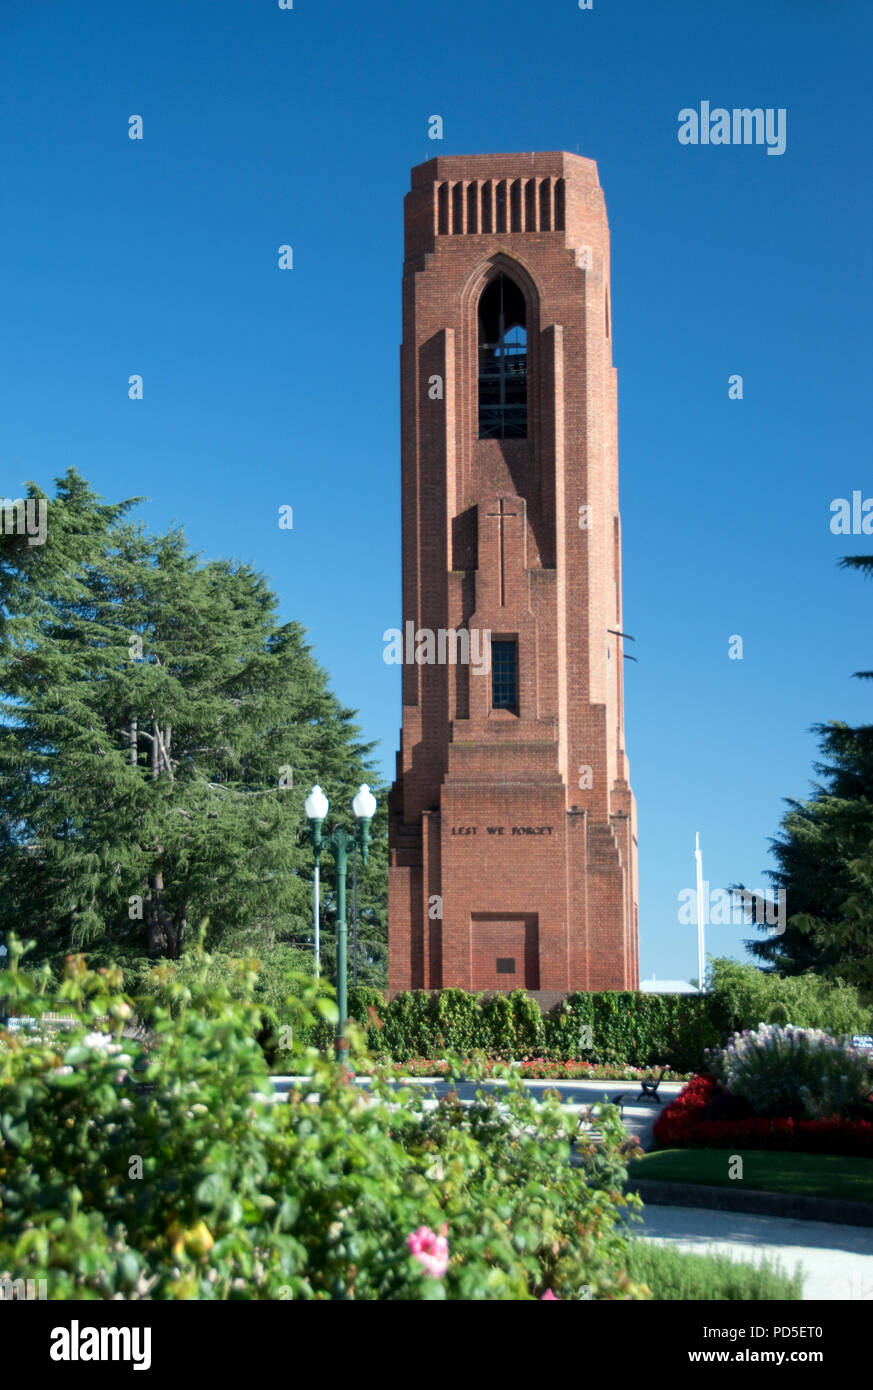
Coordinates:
442	209
560	204
502	361
458	208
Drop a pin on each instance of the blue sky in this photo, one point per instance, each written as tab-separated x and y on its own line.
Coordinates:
262	388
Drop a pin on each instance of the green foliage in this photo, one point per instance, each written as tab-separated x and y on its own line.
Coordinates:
742	996
408	1028
153	711
644	1029
825	867
170	1174
639	1029
671	1274
366	1005
455	1017
497	1026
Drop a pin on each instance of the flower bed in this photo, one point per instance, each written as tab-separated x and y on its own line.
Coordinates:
529	1068
705	1116
798	1073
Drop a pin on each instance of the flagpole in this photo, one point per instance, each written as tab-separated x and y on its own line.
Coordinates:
701	915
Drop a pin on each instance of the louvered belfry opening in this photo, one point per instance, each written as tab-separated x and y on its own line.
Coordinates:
502	361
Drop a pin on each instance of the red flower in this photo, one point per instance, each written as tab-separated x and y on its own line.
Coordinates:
687	1122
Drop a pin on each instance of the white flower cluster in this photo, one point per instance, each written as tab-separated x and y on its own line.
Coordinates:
775	1066
102	1044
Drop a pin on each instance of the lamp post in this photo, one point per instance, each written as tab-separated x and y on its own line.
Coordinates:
355	915
339	842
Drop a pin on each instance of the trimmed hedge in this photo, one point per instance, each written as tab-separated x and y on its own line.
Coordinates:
612	1026
626	1027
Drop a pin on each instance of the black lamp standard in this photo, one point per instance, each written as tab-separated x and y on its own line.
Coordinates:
339	842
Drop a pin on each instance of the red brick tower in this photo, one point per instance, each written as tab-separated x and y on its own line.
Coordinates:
512	822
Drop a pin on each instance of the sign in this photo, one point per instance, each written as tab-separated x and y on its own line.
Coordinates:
502	829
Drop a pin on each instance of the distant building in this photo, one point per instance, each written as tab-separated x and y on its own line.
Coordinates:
654	986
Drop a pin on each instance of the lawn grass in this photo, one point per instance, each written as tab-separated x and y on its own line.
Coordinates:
807	1175
671	1274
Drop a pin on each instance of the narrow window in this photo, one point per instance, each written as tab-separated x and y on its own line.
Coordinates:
486	208
472	207
560	200
457	208
504	675
530	205
443	209
501	206
546	205
502	361
515	205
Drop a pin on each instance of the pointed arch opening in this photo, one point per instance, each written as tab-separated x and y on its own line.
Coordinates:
502	361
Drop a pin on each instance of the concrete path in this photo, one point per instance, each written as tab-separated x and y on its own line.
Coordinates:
837	1261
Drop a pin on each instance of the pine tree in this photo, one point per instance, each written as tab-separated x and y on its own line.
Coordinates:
160	731
825	858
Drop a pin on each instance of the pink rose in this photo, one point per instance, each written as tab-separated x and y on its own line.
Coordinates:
431	1250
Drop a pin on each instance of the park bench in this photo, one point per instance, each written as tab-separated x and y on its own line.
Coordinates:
650	1088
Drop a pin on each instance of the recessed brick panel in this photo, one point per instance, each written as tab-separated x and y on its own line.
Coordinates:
500	942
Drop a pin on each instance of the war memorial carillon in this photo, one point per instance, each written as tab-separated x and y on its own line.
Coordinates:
513	849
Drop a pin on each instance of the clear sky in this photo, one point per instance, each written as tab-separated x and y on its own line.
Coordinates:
263	127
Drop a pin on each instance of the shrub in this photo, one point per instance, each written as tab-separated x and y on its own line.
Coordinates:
794	1072
621	1027
409	1029
673	1274
172	1174
456	1017
270	978
498	1026
611	1027
742	996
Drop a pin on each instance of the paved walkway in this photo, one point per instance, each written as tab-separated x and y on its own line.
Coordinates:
837	1261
